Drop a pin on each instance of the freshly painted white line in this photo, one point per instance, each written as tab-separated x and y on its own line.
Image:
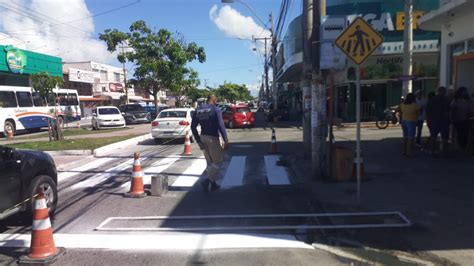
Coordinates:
242	146
277	175
98	178
191	175
234	175
155	169
64	175
176	242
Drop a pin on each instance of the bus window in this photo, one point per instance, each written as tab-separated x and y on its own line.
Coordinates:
7	99
38	100
62	99
24	99
51	99
72	99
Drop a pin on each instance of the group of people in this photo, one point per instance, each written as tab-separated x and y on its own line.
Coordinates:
439	112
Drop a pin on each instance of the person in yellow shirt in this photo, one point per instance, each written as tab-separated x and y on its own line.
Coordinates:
409	112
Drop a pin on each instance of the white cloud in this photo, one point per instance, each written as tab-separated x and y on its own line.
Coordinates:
234	24
41	32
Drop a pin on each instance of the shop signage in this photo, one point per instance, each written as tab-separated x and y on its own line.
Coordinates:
16	59
115	87
330	56
359	40
79	75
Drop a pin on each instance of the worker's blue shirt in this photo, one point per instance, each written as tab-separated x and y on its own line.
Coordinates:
210	118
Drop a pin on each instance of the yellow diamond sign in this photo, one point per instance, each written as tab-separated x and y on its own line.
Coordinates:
359	40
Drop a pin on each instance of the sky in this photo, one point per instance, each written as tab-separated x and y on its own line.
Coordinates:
69	29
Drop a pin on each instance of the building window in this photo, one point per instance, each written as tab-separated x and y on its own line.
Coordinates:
103	75
117	77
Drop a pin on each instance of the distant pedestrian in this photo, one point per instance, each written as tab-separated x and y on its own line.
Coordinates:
460	114
410	112
429	118
421	103
439	110
209	116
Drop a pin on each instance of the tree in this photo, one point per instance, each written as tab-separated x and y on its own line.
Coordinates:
44	84
233	92
160	57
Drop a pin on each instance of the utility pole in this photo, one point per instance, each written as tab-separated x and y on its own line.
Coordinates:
124	75
408	48
267	87
318	101
307	69
274	49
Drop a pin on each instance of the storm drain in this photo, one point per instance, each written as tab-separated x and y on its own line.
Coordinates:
305	221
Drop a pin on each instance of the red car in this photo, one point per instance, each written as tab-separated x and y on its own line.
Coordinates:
238	116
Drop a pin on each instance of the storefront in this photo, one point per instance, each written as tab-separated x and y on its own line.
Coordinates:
454	20
16	65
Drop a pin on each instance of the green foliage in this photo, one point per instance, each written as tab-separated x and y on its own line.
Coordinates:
160	57
232	92
44	83
195	93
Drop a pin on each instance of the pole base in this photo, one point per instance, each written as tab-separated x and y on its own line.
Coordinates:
25	260
134	195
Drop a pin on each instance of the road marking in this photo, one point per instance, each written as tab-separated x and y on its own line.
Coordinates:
155	169
180	241
277	175
64	175
242	146
99	178
234	175
191	175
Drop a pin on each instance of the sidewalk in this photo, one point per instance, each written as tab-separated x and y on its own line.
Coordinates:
134	130
435	194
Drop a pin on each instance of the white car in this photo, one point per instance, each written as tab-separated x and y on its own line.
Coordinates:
107	117
172	124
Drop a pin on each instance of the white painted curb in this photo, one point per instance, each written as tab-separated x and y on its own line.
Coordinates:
69	152
118	145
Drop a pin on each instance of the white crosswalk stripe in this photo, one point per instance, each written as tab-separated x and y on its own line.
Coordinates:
191	175
277	175
64	175
234	175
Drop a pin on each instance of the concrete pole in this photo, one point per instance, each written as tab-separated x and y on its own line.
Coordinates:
306	75
318	96
274	50
267	88
125	76
408	48
358	135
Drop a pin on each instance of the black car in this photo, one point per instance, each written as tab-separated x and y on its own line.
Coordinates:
22	173
135	114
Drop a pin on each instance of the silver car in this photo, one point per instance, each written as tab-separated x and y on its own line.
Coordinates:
171	124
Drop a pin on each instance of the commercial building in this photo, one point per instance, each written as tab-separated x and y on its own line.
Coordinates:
381	74
454	20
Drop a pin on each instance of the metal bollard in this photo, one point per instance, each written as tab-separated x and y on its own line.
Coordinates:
159	185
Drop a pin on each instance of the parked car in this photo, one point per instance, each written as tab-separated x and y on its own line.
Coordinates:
282	112
238	116
107	117
22	173
171	123
134	113
152	110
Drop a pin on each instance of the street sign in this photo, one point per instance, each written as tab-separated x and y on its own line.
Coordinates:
359	40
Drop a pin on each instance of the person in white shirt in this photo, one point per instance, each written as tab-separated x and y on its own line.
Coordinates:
421	103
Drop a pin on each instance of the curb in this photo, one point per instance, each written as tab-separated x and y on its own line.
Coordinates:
117	145
69	152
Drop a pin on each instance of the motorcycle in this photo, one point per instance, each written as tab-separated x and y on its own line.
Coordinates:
391	116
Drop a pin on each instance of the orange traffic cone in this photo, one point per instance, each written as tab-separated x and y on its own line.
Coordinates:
136	189
42	247
273	145
188	150
78	124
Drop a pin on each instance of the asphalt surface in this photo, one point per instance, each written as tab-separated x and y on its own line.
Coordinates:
92	192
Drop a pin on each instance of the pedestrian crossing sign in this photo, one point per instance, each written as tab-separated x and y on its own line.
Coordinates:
359	40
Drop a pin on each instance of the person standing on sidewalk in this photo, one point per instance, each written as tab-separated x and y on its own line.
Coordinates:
460	114
410	113
421	103
209	116
439	110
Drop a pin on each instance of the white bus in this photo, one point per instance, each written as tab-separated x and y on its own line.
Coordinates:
23	109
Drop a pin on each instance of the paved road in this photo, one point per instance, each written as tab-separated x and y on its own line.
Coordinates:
252	183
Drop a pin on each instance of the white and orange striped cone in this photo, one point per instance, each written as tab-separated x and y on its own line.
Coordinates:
188	150
42	247
273	145
137	188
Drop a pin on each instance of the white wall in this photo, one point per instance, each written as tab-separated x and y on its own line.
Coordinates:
452	32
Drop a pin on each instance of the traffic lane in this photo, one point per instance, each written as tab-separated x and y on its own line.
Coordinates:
105	173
